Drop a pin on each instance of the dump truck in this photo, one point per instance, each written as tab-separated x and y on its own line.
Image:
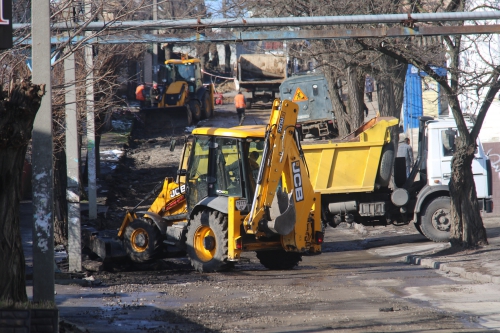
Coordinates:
261	75
238	189
353	177
184	97
311	93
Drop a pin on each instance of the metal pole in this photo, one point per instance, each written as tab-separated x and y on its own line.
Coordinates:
280	21
72	162
91	152
43	195
155	45
337	33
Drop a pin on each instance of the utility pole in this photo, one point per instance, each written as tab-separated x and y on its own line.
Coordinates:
43	195
91	148
72	166
155	45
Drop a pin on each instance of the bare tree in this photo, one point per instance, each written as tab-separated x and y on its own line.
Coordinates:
345	62
18	108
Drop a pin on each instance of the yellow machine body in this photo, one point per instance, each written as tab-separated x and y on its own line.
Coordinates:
184	98
349	165
282	170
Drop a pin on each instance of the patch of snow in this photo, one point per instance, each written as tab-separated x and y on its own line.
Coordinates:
111	155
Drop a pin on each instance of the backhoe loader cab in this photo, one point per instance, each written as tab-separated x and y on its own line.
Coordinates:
188	71
223	165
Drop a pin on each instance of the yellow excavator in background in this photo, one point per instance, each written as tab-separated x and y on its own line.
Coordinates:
184	98
238	189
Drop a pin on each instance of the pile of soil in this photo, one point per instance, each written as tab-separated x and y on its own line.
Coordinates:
226	86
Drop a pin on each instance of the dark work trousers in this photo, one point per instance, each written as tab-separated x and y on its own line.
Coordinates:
241	115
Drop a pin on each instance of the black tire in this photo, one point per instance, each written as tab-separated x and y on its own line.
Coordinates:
435	221
399	171
417	226
195	110
142	240
385	167
189	116
208	110
208	226
279	259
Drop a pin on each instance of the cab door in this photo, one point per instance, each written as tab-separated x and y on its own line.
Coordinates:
478	164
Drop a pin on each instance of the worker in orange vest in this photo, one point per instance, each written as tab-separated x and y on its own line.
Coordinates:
240	102
140	94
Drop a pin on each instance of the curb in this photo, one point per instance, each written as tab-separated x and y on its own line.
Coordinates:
462	272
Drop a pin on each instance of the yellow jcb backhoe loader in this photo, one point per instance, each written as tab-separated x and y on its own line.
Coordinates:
183	99
239	189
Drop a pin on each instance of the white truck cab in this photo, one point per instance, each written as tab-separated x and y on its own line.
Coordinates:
440	148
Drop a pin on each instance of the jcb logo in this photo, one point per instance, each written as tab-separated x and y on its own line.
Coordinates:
297	181
178	191
282	120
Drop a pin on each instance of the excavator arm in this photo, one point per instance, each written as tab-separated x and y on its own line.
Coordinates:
285	202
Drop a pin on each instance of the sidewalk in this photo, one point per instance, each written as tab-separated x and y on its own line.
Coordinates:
481	265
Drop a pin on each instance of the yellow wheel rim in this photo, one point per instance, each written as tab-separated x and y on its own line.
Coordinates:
199	245
139	240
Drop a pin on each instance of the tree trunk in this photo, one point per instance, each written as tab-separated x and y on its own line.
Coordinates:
385	91
17	114
390	92
355	85
60	202
169	51
390	86
339	108
227	58
467	229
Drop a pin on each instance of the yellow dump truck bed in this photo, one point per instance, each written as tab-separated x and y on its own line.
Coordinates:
350	165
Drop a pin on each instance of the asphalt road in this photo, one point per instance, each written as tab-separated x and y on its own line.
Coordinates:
358	284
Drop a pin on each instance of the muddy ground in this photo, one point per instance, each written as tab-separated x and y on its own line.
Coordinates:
358	284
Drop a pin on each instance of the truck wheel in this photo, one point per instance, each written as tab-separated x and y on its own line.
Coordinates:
189	116
206	241
436	220
419	229
207	107
385	167
279	259
195	110
142	240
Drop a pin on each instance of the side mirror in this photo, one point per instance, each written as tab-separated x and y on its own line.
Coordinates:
181	172
172	144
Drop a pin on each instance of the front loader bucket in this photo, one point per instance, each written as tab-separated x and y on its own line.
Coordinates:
166	117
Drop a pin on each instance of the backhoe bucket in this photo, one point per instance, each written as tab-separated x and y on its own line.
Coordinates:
166	117
282	213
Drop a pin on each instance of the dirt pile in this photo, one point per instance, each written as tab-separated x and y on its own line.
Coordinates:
226	86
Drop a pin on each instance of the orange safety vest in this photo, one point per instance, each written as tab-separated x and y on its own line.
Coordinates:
239	101
139	93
